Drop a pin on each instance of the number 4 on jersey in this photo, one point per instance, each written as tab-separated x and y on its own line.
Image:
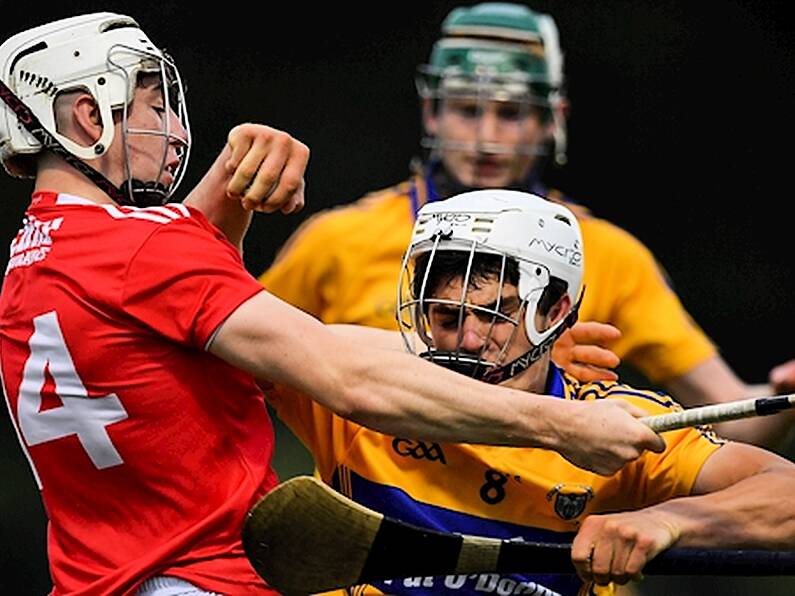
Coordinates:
81	415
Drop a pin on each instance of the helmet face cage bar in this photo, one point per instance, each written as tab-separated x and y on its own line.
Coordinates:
413	310
519	95
497	305
511	369
148	193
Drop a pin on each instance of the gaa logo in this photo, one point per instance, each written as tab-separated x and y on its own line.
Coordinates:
570	499
418	450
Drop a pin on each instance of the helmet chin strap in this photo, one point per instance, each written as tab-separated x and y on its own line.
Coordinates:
497	375
473	366
146	194
465	364
138	193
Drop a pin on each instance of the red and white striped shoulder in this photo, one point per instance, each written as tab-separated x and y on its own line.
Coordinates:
162	214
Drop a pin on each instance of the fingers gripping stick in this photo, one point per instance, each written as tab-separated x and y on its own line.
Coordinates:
746	408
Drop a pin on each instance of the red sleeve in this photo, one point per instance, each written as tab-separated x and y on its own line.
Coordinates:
185	280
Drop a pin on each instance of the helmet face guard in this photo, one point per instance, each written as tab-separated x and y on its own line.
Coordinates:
418	300
488	237
101	54
499	54
518	97
145	193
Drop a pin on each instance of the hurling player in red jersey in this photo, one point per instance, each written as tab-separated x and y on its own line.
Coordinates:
131	333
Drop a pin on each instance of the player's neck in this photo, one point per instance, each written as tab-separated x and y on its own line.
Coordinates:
447	184
532	379
58	176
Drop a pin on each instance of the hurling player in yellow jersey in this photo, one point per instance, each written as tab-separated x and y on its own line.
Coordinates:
492	108
490	281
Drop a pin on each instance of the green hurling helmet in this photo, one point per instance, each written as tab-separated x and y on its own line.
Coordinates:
498	52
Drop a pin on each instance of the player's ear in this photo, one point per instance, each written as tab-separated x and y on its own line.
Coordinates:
429	120
79	114
560	114
563	108
559	310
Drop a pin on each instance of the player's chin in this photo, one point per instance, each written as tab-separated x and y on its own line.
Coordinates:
491	182
167	179
489	176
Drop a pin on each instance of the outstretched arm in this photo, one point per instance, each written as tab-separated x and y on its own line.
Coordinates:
400	394
581	351
741	500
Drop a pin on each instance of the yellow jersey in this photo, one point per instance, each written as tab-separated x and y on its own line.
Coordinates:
342	266
501	492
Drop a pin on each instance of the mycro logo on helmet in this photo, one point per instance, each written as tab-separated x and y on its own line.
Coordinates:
571	254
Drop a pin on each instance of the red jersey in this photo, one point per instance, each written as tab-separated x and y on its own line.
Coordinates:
148	450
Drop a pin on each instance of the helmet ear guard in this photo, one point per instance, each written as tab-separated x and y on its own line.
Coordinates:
100	146
502	373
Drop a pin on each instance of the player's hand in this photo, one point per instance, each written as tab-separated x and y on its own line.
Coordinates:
616	547
782	378
581	351
603	435
266	169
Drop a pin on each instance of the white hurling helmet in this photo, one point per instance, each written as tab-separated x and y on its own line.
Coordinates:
101	54
542	238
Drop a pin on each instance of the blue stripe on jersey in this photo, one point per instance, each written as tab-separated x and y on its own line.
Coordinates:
415	200
430	191
396	503
709	435
613	385
595	391
603	391
666	402
554	384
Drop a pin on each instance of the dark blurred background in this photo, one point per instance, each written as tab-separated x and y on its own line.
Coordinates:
680	131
